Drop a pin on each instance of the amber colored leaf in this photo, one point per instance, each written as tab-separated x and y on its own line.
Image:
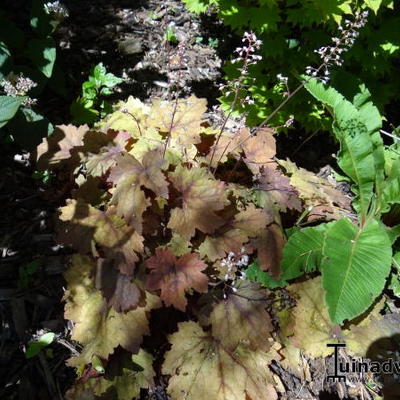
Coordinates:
375	337
97	327
133	121
58	146
129	175
147	173
269	246
99	163
83	224
201	368
317	192
238	320
176	276
246	224
150	139
278	190
259	149
312	328
131	203
182	119
227	144
202	196
125	386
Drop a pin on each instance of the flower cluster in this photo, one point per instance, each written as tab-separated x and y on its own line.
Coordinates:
177	69
247	52
282	79
57	9
233	262
332	55
19	86
289	122
246	56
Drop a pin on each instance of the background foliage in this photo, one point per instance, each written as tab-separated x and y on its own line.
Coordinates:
290	31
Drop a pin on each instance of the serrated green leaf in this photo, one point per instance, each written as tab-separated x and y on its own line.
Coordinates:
356	159
361	154
328	96
255	274
99	72
110	80
197	6
356	264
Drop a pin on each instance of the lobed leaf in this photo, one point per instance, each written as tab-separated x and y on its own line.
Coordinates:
201	197
176	276
202	368
312	328
97	327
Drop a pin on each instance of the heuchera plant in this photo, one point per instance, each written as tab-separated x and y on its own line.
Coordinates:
158	226
166	211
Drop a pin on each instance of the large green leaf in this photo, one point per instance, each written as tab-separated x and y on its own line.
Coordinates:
42	52
356	127
356	264
8	108
356	159
327	95
303	252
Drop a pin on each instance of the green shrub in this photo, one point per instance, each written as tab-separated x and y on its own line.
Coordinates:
290	31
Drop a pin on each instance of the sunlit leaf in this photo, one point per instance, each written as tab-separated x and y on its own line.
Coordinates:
202	196
202	369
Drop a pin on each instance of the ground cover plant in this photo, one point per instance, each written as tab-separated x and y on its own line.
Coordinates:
198	262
